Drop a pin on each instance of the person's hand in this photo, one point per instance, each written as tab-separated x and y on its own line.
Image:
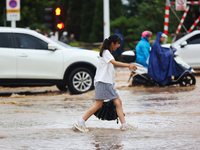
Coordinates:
133	67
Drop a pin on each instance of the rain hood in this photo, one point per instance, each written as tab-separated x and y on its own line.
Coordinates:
162	64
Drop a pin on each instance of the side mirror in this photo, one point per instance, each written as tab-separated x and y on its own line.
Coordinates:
52	47
183	44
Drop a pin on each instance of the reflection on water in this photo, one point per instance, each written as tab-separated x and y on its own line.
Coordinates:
105	141
157	99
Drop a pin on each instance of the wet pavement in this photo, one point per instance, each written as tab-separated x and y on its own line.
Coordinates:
42	118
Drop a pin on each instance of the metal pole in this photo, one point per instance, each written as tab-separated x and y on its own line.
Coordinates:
106	16
178	19
13	24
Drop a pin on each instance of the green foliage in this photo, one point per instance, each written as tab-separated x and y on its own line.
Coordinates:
144	15
73	19
116	9
151	16
97	50
86	19
169	39
75	44
83	18
131	9
127	27
97	25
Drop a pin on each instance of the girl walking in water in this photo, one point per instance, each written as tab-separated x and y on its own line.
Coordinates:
104	84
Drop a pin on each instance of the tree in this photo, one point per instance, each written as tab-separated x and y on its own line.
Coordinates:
87	13
2	12
116	9
131	8
151	16
73	19
97	25
129	27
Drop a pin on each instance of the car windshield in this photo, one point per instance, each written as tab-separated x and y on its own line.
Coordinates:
63	44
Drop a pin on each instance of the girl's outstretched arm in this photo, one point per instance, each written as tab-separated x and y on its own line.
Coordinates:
120	64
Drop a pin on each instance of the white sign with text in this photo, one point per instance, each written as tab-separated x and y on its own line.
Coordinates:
181	4
13	10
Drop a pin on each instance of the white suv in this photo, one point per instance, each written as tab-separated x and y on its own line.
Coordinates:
28	58
188	48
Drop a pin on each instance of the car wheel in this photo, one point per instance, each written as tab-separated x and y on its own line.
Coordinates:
188	79
80	81
62	87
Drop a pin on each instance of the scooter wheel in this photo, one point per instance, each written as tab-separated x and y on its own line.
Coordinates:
188	79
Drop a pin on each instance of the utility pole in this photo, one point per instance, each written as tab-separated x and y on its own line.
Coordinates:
106	16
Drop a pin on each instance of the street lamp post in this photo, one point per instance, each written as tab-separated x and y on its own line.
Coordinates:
106	16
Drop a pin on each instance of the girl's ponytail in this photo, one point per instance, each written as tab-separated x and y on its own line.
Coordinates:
106	43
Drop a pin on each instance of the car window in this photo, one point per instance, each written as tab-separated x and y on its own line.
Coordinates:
5	40
26	41
194	40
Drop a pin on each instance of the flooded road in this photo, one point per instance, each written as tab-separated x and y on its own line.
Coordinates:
42	118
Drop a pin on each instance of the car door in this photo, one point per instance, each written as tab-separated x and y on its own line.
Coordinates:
34	60
191	52
8	60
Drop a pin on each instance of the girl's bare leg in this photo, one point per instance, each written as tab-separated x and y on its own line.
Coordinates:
93	109
120	113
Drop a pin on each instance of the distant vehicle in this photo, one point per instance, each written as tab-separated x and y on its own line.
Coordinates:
28	58
188	48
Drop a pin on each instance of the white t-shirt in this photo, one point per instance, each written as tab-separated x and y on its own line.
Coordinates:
105	70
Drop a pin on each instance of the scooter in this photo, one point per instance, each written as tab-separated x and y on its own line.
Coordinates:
140	76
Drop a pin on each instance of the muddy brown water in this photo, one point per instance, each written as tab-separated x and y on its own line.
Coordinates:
42	118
